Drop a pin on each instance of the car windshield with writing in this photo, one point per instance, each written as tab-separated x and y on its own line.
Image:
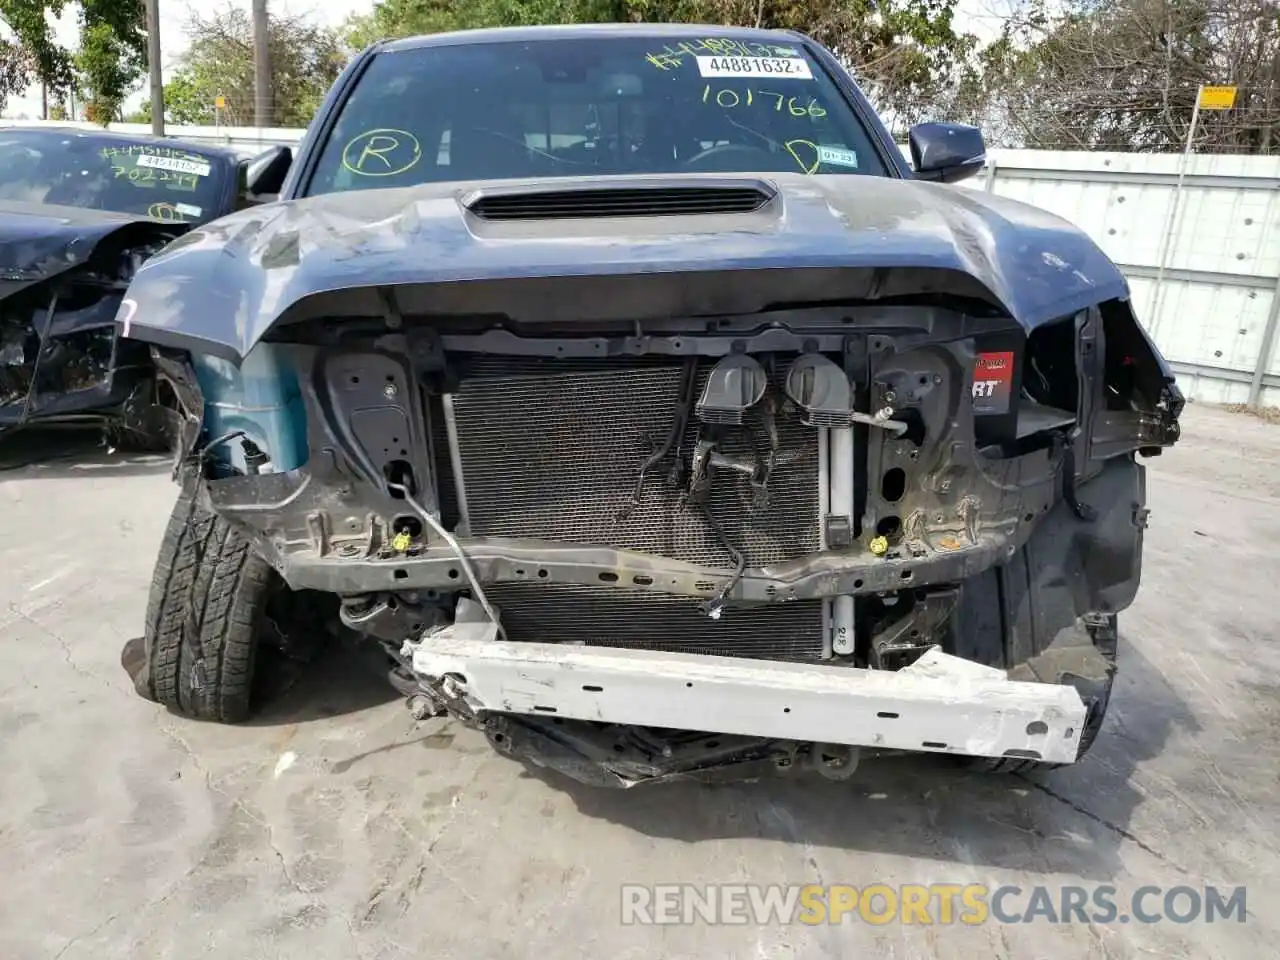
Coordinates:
73	169
591	107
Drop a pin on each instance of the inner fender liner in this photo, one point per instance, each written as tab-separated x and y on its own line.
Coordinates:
1067	568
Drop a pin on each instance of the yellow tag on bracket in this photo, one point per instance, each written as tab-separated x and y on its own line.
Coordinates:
1217	98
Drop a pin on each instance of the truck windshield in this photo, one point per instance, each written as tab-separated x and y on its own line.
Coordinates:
591	106
148	178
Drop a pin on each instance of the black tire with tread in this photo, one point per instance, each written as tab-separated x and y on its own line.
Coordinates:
1105	640
209	591
1097	714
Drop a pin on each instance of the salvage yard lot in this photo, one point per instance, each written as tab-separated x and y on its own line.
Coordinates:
332	826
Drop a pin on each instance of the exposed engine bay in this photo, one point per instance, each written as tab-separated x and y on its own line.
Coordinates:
929	498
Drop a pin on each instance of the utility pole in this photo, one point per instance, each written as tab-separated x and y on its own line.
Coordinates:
153	61
262	94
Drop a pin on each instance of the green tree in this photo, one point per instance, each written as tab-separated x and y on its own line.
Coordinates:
16	69
403	18
49	63
185	102
111	58
906	53
1123	75
305	60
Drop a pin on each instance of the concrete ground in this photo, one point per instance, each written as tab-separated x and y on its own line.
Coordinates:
334	827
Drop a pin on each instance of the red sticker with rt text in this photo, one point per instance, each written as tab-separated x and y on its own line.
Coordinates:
992	382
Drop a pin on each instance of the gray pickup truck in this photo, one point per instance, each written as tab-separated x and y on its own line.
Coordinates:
626	387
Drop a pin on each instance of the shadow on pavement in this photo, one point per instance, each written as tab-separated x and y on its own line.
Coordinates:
58	454
336	682
1068	819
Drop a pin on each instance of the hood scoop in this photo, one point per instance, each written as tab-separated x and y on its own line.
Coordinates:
666	198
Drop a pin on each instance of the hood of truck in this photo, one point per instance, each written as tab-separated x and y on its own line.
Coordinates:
221	288
39	241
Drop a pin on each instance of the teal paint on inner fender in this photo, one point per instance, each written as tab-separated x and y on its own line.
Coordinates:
261	397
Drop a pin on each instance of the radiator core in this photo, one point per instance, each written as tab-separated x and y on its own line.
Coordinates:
551	451
611	617
555	456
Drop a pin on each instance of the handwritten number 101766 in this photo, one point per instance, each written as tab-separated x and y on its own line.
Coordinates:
796	106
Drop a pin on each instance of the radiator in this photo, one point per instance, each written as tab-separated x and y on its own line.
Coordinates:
554	455
612	617
551	450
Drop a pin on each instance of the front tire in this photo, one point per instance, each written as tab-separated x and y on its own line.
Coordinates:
1095	693
209	597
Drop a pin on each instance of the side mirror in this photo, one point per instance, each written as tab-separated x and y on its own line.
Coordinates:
265	173
946	152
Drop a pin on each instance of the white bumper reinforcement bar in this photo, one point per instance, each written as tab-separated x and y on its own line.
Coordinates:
940	703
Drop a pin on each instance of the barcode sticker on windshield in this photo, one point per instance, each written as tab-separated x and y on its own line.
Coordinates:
198	167
785	68
187	210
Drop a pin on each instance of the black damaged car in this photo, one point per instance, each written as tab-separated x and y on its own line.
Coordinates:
79	212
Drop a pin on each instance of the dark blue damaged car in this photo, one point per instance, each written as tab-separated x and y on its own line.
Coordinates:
629	396
79	212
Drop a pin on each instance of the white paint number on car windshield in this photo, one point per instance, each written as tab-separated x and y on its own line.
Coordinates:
785	68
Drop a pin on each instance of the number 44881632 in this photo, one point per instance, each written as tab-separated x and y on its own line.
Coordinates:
796	106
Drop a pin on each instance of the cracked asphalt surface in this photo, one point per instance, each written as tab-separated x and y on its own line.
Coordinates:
334	827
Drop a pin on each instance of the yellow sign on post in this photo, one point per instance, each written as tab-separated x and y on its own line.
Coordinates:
220	102
1217	98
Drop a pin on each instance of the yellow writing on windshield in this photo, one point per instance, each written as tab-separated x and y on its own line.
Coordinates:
149	176
796	106
165	211
800	151
383	152
670	57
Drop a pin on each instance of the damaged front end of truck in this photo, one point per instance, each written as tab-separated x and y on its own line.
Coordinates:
764	506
